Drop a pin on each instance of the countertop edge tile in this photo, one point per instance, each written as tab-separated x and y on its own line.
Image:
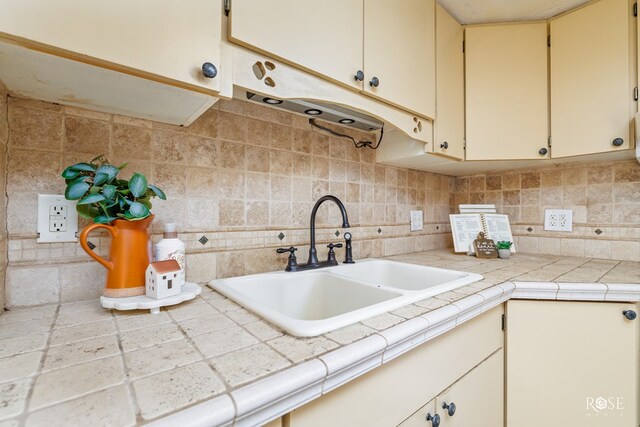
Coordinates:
535	290
622	292
441	320
268	398
470	307
218	411
352	360
403	337
582	291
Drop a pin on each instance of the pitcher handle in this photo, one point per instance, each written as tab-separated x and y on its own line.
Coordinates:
83	243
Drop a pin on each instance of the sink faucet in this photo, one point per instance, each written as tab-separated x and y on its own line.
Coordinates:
313	262
313	255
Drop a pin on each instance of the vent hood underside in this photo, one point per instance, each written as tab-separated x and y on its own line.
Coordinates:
331	113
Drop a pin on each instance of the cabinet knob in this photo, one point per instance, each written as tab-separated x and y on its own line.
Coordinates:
374	82
543	151
451	408
359	76
444	145
209	70
618	142
630	314
435	419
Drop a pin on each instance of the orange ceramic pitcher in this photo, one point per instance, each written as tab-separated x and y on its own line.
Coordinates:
129	256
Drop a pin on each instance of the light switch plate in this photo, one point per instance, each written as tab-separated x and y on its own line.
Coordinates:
558	220
416	221
57	219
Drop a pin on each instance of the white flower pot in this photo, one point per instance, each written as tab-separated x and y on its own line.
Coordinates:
504	253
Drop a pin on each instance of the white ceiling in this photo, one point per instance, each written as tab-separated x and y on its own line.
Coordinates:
486	11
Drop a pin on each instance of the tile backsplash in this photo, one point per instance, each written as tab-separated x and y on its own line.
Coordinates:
604	197
239	176
242	180
4	135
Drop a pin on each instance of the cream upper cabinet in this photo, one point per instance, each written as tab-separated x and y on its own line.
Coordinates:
574	363
399	53
506	92
323	37
449	123
591	81
161	40
384	49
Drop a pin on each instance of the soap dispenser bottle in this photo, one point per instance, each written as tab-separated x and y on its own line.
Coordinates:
170	247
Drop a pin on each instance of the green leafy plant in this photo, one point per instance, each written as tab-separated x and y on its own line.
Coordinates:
103	197
503	245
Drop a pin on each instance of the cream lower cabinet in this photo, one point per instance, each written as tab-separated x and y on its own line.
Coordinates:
390	394
161	40
506	91
476	399
571	364
592	79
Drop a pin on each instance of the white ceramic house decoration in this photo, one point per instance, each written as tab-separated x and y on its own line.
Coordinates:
164	279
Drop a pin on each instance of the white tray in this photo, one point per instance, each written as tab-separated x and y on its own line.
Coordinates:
142	302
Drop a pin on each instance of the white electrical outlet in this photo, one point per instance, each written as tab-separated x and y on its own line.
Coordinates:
558	220
416	221
57	219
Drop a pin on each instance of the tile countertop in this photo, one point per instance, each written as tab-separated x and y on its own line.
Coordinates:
210	362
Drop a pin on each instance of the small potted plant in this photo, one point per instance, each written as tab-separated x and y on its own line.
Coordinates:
123	209
504	249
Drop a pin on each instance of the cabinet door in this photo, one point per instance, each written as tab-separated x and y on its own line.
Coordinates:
478	396
399	51
590	79
449	122
162	40
324	37
419	418
571	364
506	91
392	392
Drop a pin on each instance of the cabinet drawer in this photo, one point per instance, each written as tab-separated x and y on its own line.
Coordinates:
389	394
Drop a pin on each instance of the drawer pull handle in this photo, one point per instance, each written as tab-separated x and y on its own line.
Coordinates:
435	419
374	82
451	408
630	314
444	145
543	151
359	76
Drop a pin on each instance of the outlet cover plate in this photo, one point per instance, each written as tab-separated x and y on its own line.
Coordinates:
57	219
416	221
558	220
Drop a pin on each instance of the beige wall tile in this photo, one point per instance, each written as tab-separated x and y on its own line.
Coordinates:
32	286
131	142
32	128
83	135
551	178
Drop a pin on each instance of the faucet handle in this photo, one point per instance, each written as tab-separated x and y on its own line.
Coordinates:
292	262
290	249
331	256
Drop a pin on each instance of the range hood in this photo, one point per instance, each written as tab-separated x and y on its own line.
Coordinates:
331	113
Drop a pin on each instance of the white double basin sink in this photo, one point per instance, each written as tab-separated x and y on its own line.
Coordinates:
310	303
